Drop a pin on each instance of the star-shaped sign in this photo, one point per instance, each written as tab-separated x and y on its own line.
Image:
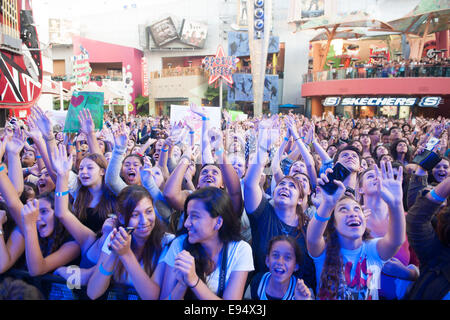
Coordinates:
220	66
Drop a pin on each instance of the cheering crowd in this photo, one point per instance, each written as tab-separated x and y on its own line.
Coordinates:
271	208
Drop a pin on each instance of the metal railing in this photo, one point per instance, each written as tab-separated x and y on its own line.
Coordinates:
397	71
55	287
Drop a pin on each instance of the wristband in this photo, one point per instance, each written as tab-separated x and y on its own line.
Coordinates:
139	154
38	157
286	139
103	271
198	280
205	118
319	218
70	144
61	194
27	171
191	132
2	168
219	152
436	196
164	150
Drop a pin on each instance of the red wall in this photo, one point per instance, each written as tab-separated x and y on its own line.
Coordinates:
102	52
377	86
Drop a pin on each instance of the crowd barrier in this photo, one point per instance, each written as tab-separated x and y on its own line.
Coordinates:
55	287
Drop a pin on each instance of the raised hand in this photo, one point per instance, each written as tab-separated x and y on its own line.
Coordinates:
62	164
43	122
301	291
87	124
198	110
121	137
16	143
390	187
33	131
30	212
330	199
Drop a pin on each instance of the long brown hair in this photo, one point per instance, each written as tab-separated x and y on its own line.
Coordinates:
302	218
127	201
107	202
330	278
53	242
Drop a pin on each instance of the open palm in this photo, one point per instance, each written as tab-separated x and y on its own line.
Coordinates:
87	124
62	164
42	121
16	143
390	187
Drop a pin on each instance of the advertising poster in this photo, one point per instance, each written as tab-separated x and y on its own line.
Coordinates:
163	32
194	33
312	8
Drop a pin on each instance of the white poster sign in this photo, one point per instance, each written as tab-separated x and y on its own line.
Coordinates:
184	113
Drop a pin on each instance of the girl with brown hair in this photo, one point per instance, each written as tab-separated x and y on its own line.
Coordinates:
348	263
133	259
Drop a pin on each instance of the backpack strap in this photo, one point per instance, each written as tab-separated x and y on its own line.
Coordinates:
223	270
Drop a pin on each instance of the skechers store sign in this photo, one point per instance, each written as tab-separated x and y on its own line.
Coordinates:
379	102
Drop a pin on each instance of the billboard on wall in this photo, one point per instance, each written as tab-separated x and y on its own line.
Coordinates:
242	88
193	33
238	44
312	8
163	31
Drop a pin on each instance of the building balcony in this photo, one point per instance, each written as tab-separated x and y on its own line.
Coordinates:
419	80
178	83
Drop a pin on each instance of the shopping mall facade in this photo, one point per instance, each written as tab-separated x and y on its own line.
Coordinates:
156	47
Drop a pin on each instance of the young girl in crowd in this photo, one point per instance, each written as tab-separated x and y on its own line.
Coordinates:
280	283
208	261
284	216
349	263
133	258
398	272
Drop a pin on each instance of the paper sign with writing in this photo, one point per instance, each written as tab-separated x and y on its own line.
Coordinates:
93	101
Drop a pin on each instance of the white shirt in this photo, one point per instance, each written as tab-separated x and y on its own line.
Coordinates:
240	258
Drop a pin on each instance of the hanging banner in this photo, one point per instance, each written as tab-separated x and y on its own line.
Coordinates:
93	101
81	74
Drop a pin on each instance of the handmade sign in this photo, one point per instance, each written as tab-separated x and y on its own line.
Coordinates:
220	66
93	101
184	113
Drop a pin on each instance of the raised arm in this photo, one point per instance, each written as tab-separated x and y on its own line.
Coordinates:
307	157
36	262
205	146
87	126
13	148
82	234
112	175
391	192
173	192
315	241
229	175
252	192
10	251
44	124
10	196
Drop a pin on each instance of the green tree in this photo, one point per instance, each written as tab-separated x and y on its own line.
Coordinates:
142	104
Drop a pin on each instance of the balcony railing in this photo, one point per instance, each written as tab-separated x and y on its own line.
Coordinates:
178	72
398	71
93	78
